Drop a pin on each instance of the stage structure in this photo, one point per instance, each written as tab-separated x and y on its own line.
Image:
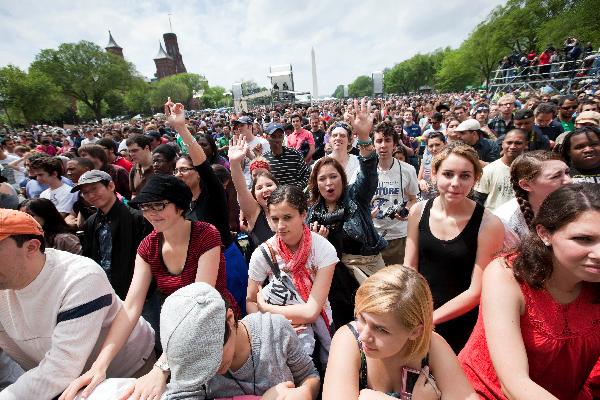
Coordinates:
282	82
377	77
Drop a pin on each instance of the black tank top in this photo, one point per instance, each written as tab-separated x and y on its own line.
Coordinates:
447	265
261	230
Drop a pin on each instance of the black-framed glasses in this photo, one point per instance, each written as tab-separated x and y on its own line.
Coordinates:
182	170
154	206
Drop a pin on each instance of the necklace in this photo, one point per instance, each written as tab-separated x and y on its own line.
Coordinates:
230	373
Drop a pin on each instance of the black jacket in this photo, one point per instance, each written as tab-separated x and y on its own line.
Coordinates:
128	228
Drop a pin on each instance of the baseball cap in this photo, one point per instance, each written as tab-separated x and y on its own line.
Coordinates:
192	332
92	176
153	134
272	127
589	117
246	120
161	187
468	125
13	222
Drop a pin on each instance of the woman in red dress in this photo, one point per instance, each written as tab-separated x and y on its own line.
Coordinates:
537	335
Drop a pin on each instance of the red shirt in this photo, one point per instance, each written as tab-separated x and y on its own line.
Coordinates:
203	237
122	162
562	343
295	139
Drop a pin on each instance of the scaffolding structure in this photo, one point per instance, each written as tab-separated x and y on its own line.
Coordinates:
564	76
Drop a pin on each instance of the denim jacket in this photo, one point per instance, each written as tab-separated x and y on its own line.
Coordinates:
358	223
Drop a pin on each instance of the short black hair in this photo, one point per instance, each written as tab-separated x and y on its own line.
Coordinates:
21	239
141	140
108	144
522	114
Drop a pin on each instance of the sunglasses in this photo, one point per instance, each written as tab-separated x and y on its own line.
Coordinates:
155	206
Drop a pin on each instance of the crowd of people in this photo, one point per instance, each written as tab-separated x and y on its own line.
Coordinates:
426	247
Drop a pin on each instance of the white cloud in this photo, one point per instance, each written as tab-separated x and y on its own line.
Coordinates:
233	39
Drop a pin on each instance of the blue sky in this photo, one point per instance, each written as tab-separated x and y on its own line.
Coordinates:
232	40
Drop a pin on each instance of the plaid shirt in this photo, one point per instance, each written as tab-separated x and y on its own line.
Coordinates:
500	127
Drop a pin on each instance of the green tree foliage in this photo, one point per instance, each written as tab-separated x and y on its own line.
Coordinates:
214	97
338	93
29	97
85	72
251	87
137	98
169	87
362	86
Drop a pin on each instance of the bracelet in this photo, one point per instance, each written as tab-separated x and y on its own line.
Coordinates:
362	143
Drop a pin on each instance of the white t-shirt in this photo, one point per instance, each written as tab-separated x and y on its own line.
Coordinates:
352	168
322	254
13	176
89	141
515	227
61	197
495	182
392	188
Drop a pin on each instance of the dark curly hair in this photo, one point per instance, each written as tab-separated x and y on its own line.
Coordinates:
387	129
565	148
534	261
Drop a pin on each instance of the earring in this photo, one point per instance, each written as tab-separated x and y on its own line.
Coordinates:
546	244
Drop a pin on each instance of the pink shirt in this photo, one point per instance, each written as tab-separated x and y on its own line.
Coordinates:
295	139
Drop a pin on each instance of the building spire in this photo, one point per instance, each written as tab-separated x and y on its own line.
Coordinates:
111	42
161	52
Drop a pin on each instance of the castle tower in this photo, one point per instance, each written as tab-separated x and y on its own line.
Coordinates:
173	51
113	47
165	64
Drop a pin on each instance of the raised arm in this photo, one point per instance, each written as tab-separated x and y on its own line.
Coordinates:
489	244
248	204
176	119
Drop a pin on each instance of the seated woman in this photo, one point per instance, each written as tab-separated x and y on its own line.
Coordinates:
299	265
537	334
534	175
57	233
341	212
391	350
176	253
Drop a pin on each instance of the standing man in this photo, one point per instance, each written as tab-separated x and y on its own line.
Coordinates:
90	137
524	120
55	311
110	147
141	156
545	124
287	165
470	133
155	139
503	122
397	190
257	146
301	139
494	188
318	135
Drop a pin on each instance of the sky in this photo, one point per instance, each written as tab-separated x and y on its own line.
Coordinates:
232	40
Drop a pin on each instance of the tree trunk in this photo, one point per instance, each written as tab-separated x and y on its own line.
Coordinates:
98	112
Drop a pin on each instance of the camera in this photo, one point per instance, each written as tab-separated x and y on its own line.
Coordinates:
397	208
328	219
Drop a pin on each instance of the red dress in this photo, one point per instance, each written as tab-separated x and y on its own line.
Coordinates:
562	343
203	237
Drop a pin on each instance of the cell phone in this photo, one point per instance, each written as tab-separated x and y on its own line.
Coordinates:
409	379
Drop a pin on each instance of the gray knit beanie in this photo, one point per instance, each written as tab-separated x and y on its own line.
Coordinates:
192	329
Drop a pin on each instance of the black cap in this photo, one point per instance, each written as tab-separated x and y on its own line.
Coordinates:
164	187
523	113
154	134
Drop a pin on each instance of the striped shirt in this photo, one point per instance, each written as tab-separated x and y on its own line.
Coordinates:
289	167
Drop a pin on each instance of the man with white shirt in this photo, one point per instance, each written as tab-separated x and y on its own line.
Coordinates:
257	146
90	137
55	311
48	171
397	189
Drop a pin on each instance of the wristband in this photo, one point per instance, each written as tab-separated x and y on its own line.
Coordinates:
364	142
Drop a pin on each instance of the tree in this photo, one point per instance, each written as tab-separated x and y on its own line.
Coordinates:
169	87
137	98
338	93
456	72
85	72
27	98
214	97
362	86
251	87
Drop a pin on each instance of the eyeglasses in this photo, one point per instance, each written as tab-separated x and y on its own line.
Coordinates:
182	170
156	206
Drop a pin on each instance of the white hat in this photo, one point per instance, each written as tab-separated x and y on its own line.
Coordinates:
468	125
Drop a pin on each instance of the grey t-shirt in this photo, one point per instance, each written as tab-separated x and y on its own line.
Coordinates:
277	357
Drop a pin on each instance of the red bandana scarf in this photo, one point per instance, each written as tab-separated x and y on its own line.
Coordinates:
296	264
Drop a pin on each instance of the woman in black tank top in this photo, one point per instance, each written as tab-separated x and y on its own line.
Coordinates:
451	239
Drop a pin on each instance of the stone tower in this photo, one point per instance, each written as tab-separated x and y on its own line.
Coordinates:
165	64
113	47
173	51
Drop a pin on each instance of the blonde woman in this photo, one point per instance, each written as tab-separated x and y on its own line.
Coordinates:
391	350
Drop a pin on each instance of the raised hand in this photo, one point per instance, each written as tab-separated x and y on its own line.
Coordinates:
363	119
237	148
175	114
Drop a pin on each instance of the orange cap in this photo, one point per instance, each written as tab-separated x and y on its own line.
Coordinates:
14	222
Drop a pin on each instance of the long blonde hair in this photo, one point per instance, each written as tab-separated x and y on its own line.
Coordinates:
404	293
